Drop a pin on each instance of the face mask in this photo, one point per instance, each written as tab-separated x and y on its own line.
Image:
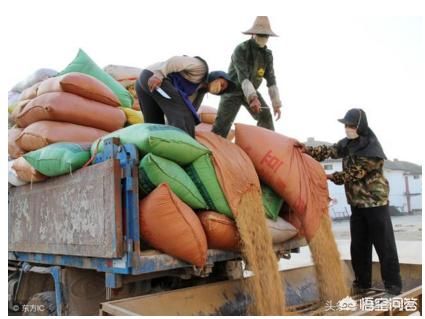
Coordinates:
351	133
214	87
261	41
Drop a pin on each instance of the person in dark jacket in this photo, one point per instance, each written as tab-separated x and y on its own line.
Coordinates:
175	88
251	62
367	192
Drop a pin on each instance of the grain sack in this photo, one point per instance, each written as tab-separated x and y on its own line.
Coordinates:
221	231
241	187
13	178
302	183
43	133
207	114
295	176
71	108
154	170
30	93
133	116
26	172
202	173
131	88
12	98
281	230
18	109
84	64
171	226
204	127
272	202
38	76
162	140
80	84
14	150
126	75
59	158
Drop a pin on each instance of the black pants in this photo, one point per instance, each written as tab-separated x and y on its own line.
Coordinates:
154	106
372	226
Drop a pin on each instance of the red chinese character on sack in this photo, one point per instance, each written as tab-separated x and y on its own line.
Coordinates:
271	161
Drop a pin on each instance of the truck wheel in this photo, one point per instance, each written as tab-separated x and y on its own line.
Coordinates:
41	304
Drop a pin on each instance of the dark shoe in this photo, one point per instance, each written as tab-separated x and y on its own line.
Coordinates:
356	290
393	290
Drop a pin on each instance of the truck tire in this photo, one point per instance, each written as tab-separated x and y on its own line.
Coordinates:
41	304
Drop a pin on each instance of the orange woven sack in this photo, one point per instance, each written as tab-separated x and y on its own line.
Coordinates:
29	93
235	171
13	149
221	231
169	225
71	108
295	176
204	127
26	172
207	114
80	84
43	133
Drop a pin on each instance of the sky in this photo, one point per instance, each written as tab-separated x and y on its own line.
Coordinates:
330	56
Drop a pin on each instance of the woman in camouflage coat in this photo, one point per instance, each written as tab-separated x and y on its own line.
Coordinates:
367	193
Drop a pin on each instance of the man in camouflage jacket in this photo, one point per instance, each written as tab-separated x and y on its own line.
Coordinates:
251	62
367	193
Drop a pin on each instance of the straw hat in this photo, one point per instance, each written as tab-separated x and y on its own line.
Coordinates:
261	26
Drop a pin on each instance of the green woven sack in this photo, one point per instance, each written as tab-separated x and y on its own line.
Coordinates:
162	140
84	64
202	173
154	170
59	158
271	201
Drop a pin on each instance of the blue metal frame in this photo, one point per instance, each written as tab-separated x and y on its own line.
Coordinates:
131	263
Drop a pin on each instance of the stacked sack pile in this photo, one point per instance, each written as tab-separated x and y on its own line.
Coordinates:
183	210
127	77
60	122
54	118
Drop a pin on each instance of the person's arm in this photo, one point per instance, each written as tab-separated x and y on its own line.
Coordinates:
322	152
272	86
362	167
242	71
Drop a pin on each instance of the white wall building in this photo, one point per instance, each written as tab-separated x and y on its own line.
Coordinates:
405	181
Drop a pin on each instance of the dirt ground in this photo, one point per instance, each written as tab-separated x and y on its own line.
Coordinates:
408	234
406	228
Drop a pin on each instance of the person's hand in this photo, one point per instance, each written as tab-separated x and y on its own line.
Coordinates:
277	112
154	82
300	146
255	104
330	177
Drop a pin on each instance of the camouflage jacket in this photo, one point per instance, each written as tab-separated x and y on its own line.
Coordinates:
363	177
251	62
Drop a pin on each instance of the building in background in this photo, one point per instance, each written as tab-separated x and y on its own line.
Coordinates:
405	181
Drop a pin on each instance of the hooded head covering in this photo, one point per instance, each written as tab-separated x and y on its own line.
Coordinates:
367	143
214	75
